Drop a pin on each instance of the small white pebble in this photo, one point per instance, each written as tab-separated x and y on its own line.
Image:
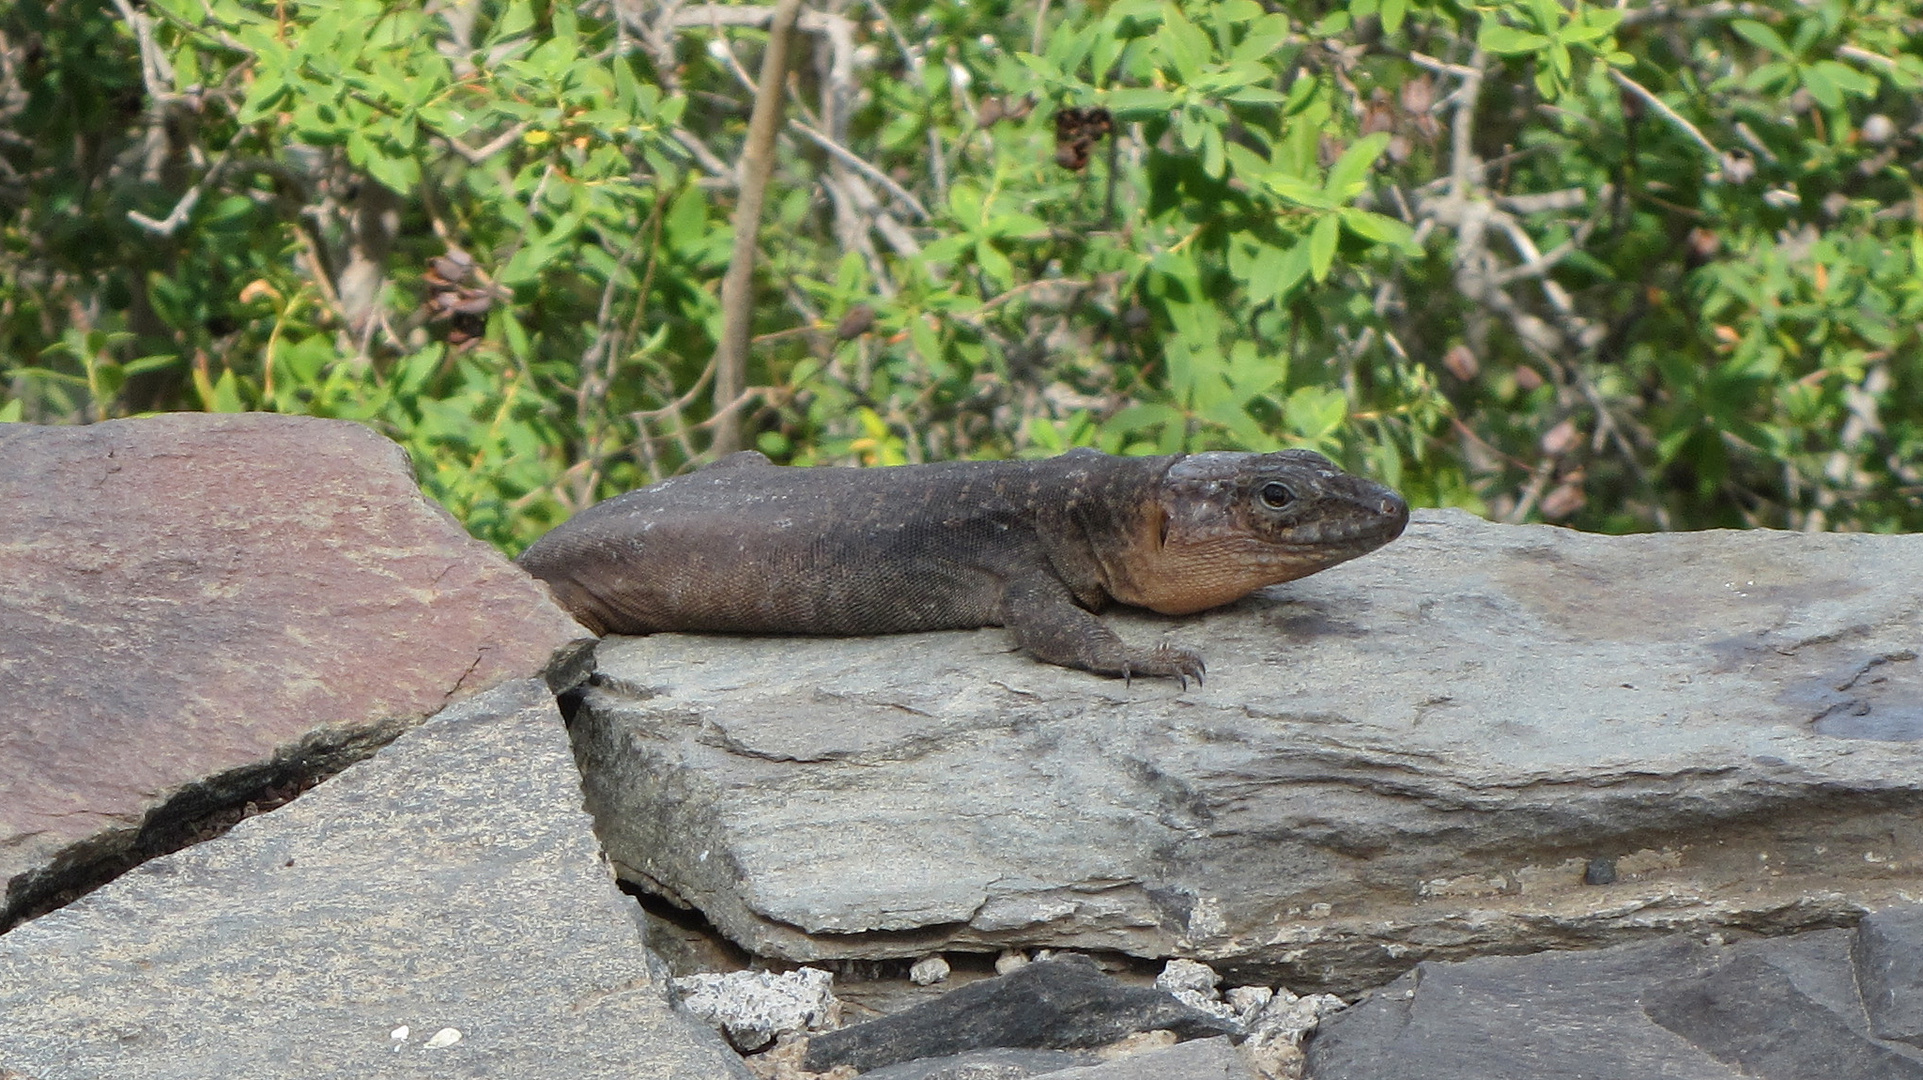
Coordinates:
399	1034
443	1038
928	971
1009	960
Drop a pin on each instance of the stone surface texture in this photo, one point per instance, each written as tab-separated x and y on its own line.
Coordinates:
1202	1059
1423	753
752	1007
1779	1008
196	606
1888	954
449	882
1061	1004
1000	1063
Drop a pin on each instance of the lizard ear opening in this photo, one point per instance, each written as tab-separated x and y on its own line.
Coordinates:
1161	527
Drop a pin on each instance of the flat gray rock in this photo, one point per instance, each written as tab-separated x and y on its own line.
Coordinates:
1061	1004
1780	1008
1423	753
1202	1059
451	882
1000	1063
199	606
1888	954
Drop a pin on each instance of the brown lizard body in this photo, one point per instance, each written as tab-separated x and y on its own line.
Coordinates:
746	546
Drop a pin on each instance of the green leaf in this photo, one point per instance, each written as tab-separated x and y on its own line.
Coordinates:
1509	41
1265	36
1380	229
227	394
1604	19
1254	95
1351	171
1298	191
1315	412
1770	76
518	19
1140	103
1822	87
1183	43
1763	35
1393	12
965	203
1140	417
1578	33
1247	163
1846	78
994	264
927	342
1322	239
1548	14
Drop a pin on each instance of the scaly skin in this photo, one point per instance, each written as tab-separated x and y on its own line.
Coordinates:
746	546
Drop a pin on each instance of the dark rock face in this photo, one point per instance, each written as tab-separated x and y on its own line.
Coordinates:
1480	739
450	883
197	606
1064	1003
1749	1014
1000	1063
1781	1009
1888	953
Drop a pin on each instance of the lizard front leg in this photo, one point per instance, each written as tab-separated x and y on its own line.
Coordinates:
1050	627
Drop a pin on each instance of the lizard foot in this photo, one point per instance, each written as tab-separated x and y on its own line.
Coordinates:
1167	660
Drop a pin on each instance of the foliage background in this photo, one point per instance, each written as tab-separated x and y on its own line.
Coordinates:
1649	266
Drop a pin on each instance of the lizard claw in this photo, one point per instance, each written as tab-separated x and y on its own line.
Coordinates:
1178	664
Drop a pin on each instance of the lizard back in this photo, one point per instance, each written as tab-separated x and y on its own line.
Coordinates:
746	546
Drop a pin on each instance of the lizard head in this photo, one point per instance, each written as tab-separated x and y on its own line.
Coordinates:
1231	523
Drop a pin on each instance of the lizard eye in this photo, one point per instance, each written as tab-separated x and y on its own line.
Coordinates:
1276	496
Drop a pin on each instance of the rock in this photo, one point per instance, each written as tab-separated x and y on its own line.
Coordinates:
1248	1001
1888	954
1783	1009
1188	976
1060	1004
1286	1018
1141	1042
752	1007
1202	1059
1377	771
199	607
1193	984
1000	1063
1749	1014
449	882
928	971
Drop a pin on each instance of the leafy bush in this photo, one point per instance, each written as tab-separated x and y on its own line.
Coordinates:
1621	268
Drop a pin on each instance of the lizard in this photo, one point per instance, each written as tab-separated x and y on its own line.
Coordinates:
748	546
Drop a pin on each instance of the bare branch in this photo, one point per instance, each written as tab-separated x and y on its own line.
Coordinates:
852	160
737	287
184	209
1668	113
494	146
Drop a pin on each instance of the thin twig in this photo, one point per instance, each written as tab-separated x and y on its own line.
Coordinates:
183	209
854	161
494	146
1669	114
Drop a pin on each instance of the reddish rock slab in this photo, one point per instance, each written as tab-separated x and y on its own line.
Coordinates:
198	606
